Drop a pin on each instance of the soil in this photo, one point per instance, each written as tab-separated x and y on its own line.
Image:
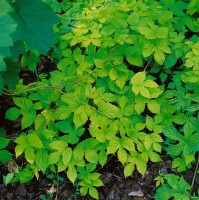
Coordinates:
135	187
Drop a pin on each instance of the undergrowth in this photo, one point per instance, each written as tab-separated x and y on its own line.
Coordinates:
126	84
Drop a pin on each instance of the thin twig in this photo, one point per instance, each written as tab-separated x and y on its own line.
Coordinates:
194	176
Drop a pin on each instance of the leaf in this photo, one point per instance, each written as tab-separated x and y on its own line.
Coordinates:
34	141
108	109
66	155
72	173
5	156
41	159
8	178
138	78
35	20
180	164
81	115
108	30
122	156
153	106
30	155
4	142
12	114
113	146
102	157
54	157
27	110
149	123
93	192
145	92
62	112
91	156
129	169
8	27
58	145
40	122
159	57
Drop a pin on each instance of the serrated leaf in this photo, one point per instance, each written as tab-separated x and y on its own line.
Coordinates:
153	106
102	157
58	145
91	156
108	109
37	34
122	156
27	110
30	155
113	146
129	169
40	122
144	92
62	112
19	149
41	159
93	192
138	78
159	57
72	173
81	115
54	157
66	155
34	141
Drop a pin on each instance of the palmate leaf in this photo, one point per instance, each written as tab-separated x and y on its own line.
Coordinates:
35	20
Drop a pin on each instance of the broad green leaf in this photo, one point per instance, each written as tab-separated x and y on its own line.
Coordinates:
81	115
159	57
113	146
41	159
180	118
62	112
35	20
27	110
93	192
19	149
179	163
34	141
12	114
144	92
40	122
138	78
129	169
150	84
153	106
72	173
91	156
58	145
8	178
122	156
108	30
66	155
4	142
5	156
54	157
102	157
108	109
30	155
149	123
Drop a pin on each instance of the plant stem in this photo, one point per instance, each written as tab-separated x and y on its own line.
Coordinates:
194	176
